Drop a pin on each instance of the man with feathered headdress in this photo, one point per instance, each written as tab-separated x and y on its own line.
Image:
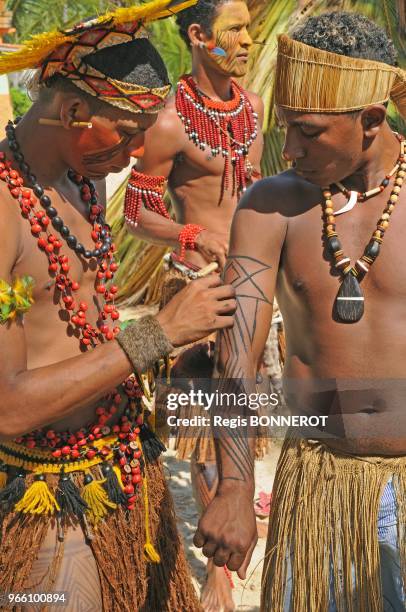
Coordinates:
329	243
79	460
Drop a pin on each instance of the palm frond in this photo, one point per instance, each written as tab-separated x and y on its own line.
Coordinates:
270	19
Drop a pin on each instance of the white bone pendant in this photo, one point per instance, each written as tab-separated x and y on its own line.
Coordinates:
350	204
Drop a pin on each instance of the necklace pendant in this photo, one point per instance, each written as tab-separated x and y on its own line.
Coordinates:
353	199
349	303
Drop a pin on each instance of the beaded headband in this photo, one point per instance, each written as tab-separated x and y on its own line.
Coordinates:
65	53
312	80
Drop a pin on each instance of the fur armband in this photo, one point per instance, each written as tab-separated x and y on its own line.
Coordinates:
144	190
144	343
15	299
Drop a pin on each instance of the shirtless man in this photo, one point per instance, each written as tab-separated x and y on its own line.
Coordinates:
195	176
217	32
336	535
87	428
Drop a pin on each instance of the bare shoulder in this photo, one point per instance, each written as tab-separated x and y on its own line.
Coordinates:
11	235
168	121
255	100
266	210
257	103
285	194
162	142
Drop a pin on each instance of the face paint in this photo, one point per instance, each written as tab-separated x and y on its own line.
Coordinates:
115	137
100	147
230	43
106	155
101	138
229	62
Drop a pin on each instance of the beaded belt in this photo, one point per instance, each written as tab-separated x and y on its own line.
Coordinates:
188	269
96	498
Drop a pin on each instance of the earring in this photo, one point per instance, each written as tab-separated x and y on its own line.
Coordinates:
57	123
81	124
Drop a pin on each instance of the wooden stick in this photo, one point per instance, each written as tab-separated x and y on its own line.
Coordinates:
50	122
57	123
211	267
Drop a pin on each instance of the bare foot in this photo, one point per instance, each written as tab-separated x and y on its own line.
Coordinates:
216	594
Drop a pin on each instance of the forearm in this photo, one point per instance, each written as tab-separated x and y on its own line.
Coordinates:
36	398
239	354
154	228
235	446
146	214
32	399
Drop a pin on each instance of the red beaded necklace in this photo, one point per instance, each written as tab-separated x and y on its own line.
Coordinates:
225	128
68	445
58	263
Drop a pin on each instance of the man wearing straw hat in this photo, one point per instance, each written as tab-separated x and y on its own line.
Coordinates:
86	518
329	243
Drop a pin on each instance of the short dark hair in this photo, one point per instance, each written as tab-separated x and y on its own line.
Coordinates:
349	34
203	13
135	62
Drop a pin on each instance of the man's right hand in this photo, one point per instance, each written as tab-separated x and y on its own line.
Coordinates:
213	247
227	530
202	307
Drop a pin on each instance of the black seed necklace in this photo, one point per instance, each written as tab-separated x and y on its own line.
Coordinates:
349	303
88	193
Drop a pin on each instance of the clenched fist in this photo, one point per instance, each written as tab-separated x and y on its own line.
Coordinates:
227	531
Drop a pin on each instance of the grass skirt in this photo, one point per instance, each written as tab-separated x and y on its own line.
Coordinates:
324	512
128	582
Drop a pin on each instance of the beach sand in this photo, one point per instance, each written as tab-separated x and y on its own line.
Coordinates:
246	593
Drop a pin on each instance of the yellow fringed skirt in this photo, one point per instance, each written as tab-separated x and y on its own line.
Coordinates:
138	553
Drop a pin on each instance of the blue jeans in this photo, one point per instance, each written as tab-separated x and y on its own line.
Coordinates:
393	593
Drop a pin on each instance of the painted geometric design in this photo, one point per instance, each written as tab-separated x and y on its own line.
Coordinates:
93	37
243	280
67	60
240	272
144	101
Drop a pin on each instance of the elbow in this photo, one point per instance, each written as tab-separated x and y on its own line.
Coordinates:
8	430
11	410
10	426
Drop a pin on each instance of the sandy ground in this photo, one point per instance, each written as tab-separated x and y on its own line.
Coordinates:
247	593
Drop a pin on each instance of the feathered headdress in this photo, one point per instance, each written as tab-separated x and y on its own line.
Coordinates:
313	80
64	52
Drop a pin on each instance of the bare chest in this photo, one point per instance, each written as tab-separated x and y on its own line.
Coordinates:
49	334
307	267
194	162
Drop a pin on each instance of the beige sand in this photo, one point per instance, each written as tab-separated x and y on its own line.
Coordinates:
247	593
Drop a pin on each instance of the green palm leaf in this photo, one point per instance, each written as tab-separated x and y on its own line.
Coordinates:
36	16
283	15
